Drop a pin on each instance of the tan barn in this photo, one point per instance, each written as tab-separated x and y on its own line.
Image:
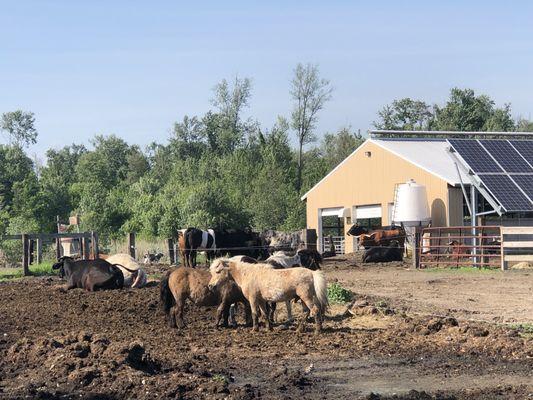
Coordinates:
362	187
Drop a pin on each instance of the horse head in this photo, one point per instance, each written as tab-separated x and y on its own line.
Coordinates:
219	272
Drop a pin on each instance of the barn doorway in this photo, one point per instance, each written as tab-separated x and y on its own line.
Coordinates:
331	227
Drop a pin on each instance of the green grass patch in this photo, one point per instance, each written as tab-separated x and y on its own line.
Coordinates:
43	269
524	329
220	378
156	277
338	294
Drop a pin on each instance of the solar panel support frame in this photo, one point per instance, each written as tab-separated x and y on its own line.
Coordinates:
497	208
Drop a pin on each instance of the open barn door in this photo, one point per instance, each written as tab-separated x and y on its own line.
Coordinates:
331	224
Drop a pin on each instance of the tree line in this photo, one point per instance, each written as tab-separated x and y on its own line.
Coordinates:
216	170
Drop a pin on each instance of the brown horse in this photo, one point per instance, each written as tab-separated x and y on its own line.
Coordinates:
184	283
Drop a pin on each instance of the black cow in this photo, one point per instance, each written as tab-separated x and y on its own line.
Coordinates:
90	275
240	242
384	254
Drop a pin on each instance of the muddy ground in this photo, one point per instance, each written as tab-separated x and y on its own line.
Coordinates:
116	344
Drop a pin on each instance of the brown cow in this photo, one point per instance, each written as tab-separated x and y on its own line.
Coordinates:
382	238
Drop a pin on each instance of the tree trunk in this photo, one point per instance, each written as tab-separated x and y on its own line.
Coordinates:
299	180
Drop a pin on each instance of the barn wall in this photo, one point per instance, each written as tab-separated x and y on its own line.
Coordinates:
455	205
363	180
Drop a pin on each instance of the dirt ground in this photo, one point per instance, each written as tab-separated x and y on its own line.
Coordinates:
116	344
488	295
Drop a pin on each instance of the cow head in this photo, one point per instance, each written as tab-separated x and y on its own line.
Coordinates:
63	265
220	272
356	230
366	240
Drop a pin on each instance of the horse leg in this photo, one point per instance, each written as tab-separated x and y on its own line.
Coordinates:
255	316
222	315
271	310
231	315
263	308
247	313
307	300
311	303
289	311
178	312
315	311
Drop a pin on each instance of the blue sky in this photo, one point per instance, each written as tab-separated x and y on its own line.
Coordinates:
133	68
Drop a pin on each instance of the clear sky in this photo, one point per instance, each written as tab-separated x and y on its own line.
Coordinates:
132	68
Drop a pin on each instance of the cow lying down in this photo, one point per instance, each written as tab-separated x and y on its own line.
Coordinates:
90	275
393	252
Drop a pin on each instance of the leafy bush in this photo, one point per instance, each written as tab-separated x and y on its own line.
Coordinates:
338	294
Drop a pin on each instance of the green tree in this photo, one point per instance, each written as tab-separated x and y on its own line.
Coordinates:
20	126
404	114
524	125
336	147
465	111
309	93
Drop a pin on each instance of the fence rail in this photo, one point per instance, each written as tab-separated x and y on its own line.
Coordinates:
478	246
514	244
338	242
35	241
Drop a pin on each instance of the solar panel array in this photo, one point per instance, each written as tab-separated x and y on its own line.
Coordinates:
505	168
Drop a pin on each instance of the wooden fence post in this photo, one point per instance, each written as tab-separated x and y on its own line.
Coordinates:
25	254
131	244
58	248
86	248
310	238
171	253
40	250
94	243
502	250
417	247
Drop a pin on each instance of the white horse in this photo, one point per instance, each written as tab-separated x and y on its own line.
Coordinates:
134	275
261	283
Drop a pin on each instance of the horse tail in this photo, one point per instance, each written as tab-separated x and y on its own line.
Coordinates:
321	290
165	294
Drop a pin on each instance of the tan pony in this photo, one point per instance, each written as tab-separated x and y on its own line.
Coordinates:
260	283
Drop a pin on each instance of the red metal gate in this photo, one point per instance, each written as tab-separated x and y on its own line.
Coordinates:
458	246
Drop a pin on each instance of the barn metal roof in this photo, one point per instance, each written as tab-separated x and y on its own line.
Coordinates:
428	154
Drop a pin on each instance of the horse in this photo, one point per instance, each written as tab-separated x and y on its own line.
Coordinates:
261	283
184	283
90	275
194	240
280	241
134	275
306	258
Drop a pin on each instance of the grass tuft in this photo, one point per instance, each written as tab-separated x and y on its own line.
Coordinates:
338	294
43	269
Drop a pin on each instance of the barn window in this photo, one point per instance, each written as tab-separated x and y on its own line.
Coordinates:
368	216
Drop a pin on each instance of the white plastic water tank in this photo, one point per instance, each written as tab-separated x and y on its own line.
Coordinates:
411	207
